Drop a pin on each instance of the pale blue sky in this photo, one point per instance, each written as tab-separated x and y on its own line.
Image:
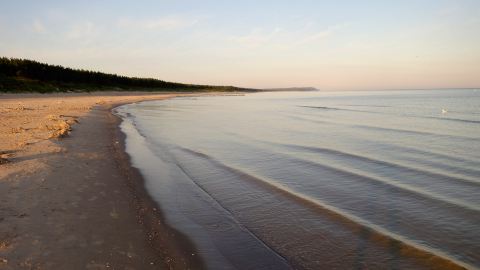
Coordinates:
327	44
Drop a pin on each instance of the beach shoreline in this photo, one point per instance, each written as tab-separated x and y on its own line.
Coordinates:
177	251
71	199
234	163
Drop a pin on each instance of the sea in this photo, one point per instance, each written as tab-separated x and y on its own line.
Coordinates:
316	180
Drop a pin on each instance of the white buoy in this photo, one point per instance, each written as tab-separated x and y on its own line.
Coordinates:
444	111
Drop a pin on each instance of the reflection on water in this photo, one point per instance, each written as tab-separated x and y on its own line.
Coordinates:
382	180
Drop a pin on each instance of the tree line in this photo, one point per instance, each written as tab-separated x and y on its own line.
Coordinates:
16	73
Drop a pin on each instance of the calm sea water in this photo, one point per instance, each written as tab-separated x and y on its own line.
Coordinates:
316	180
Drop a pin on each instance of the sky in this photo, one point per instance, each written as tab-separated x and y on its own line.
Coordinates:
331	45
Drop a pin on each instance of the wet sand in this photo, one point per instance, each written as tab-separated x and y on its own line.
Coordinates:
69	198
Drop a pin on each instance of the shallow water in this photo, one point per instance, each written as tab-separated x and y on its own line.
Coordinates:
315	180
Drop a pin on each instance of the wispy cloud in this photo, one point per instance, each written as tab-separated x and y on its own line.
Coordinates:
38	27
163	23
82	30
285	39
316	36
256	38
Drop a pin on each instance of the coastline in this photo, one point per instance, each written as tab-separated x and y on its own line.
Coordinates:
177	251
102	217
394	245
76	202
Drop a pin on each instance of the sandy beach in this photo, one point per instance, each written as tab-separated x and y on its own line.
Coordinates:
68	196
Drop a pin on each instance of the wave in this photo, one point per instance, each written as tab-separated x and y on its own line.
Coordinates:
397	130
395	186
296	117
373	106
126	116
396	114
410	132
413	132
466	166
448	161
441	156
406	189
232	215
327	108
458	171
451	180
354	223
450	119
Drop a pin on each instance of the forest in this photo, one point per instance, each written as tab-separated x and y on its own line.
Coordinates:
22	75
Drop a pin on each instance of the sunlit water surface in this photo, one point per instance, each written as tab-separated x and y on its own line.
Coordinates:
316	180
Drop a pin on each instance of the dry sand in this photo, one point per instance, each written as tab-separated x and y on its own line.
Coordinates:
68	197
